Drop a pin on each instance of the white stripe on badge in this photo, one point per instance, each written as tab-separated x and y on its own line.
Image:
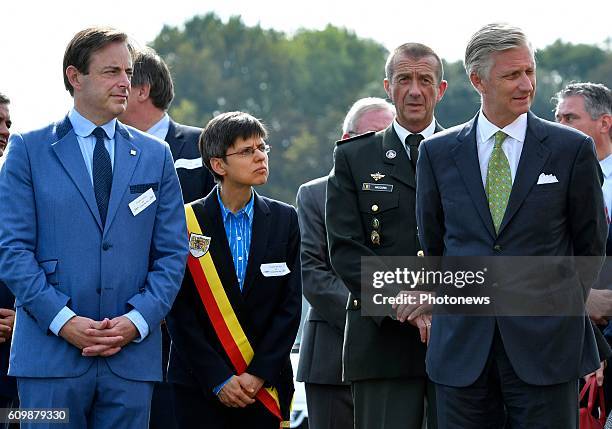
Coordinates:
189	164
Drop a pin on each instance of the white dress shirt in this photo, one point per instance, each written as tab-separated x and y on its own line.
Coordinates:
606	168
402	132
512	146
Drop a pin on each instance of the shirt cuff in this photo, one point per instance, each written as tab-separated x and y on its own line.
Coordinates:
140	323
217	389
58	322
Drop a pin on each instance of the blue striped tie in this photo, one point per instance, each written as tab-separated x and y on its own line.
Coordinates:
102	173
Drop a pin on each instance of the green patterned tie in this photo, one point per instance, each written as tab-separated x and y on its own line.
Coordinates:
499	181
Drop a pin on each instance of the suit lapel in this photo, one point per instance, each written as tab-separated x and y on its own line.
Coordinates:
465	155
68	152
208	214
123	169
175	140
402	167
533	158
259	241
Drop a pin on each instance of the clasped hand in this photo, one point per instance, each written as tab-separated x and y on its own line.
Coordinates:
99	338
415	313
240	390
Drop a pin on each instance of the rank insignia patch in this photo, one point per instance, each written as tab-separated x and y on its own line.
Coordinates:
377	176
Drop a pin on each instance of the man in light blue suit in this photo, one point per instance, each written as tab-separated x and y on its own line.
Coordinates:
93	246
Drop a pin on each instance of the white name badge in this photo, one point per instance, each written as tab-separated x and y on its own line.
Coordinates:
142	202
276	269
189	164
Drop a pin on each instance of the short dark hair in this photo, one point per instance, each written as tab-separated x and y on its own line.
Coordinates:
4	99
150	69
84	44
221	133
416	51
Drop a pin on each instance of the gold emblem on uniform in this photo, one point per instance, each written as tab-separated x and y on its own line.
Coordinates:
374	208
375	223
375	237
377	176
198	245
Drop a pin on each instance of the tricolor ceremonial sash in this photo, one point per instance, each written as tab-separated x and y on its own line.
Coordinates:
220	311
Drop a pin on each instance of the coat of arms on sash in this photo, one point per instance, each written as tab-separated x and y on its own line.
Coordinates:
198	245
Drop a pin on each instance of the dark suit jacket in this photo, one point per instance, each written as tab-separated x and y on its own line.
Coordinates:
373	347
564	218
321	345
196	182
268	308
8	387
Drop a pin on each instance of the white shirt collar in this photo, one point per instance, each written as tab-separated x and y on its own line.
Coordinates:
402	132
516	129
606	166
160	128
83	127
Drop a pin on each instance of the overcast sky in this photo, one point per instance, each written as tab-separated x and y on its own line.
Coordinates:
35	33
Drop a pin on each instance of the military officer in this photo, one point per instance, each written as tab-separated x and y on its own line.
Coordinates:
370	210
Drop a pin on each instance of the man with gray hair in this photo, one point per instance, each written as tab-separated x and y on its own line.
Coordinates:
508	183
329	400
370	212
588	108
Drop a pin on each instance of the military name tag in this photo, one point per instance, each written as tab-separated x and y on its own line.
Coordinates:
377	187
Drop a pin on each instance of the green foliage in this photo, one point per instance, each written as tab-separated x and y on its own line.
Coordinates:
302	85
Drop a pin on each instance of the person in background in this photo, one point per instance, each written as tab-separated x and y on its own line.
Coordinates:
328	398
587	107
147	110
8	385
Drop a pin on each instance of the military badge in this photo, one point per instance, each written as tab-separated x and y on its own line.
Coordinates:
390	154
377	176
198	245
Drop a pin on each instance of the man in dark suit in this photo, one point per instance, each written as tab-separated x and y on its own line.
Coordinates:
588	108
384	357
329	400
510	184
150	97
8	386
238	311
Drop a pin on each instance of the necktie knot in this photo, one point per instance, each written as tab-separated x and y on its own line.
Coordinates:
99	133
500	136
414	139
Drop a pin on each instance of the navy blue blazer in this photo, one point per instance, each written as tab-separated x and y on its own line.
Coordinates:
196	181
268	308
563	218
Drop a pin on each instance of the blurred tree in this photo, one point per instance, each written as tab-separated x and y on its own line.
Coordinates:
302	85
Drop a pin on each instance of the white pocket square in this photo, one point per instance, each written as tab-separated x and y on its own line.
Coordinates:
547	178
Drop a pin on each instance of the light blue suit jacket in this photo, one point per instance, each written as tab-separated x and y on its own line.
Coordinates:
54	252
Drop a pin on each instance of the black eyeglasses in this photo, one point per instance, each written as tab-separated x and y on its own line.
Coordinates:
250	151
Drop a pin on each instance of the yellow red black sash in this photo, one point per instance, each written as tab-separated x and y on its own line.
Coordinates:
223	318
